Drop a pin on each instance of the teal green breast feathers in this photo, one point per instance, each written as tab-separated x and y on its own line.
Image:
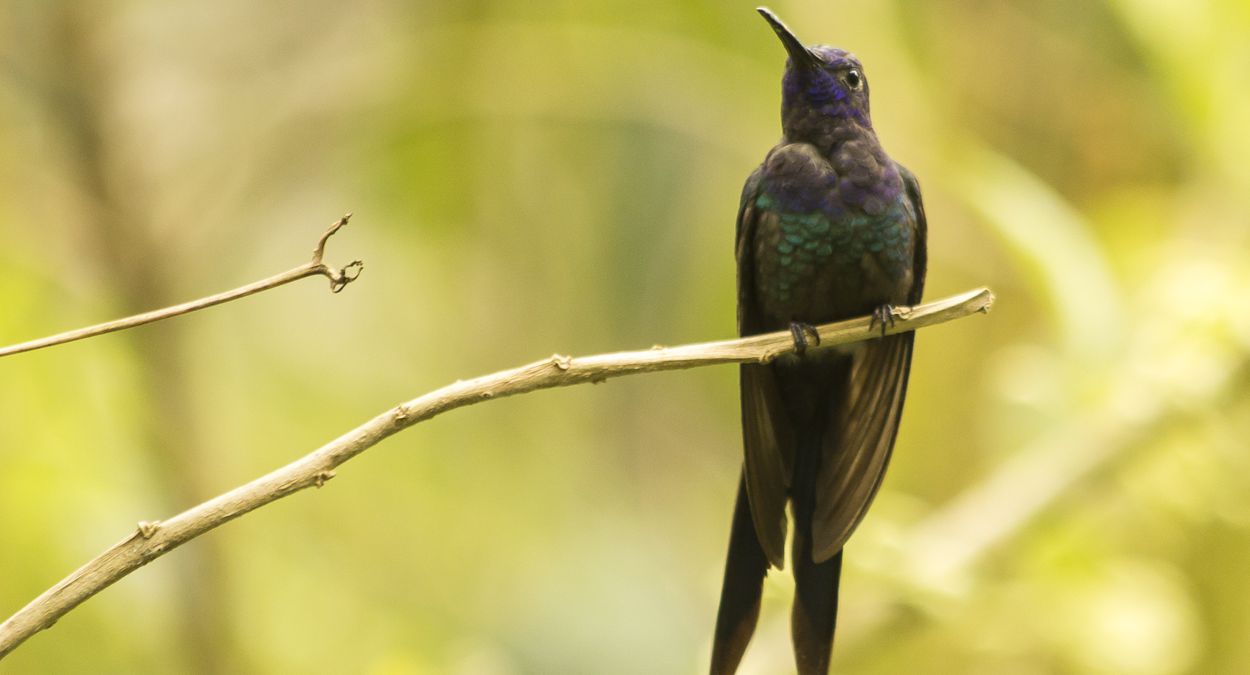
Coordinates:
821	237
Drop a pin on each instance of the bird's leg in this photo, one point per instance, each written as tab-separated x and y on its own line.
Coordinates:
801	332
884	315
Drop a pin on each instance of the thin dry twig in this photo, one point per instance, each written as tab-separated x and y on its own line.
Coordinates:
339	278
152	539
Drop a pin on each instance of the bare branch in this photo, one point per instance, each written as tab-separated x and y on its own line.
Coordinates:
339	278
152	539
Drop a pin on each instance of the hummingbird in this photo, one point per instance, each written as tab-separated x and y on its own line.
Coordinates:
829	228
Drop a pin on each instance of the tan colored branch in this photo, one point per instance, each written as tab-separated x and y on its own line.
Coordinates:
154	539
338	279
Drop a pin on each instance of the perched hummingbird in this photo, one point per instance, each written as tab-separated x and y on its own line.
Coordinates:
829	228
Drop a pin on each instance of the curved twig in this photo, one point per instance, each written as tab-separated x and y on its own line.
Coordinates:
153	539
339	278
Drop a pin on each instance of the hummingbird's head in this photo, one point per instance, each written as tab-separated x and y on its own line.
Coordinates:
822	85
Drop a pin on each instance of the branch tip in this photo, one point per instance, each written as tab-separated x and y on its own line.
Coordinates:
337	225
989	302
340	278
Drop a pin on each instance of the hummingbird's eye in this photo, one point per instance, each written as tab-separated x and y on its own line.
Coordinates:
853	79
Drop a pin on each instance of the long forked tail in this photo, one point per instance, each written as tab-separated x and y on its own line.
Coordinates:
745	567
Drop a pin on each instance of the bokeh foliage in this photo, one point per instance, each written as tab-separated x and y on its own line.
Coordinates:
1071	488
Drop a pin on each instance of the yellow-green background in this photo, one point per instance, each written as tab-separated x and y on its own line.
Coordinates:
1071	488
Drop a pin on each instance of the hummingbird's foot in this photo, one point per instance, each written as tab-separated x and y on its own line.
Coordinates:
883	315
801	332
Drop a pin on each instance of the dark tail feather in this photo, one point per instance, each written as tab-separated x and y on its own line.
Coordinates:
815	611
745	567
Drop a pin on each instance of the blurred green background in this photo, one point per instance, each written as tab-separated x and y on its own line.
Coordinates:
1071	488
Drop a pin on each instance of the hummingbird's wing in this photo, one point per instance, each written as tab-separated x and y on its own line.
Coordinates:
765	435
859	440
920	263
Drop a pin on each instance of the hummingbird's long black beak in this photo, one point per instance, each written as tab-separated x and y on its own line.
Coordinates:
800	57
